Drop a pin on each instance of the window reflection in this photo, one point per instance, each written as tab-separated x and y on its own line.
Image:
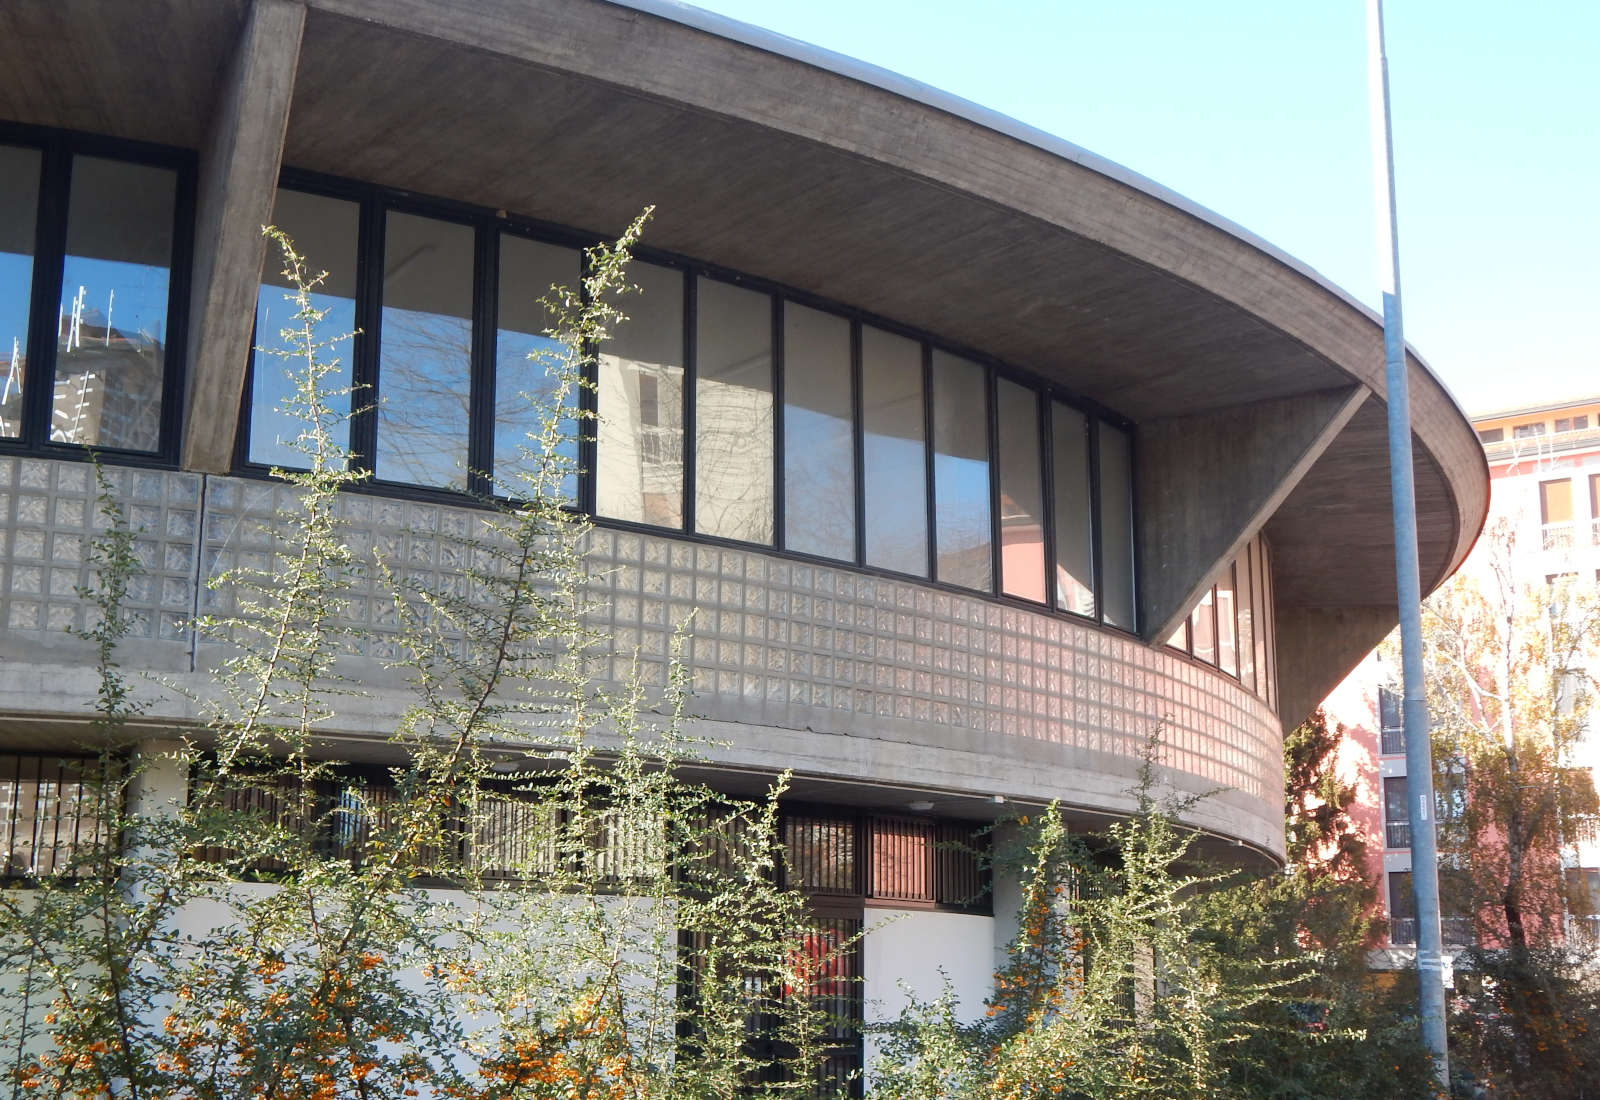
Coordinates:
1247	630
1021	493
424	370
1203	628
19	202
1074	512
895	455
524	360
1116	524
1227	623
961	503
733	412
324	229
819	466
112	327
640	435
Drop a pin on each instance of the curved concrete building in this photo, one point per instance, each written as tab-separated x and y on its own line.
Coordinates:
977	456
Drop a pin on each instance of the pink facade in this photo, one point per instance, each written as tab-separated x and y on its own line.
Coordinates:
1545	484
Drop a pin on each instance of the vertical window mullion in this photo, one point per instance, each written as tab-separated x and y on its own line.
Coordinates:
50	243
369	295
588	403
690	385
1097	538
180	273
929	488
1047	489
858	441
780	537
992	419
481	370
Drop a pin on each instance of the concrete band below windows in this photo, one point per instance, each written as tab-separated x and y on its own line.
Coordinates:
817	668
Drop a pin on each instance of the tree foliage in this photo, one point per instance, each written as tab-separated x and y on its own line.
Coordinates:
1510	686
281	932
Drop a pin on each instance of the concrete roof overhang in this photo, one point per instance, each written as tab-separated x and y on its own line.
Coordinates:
770	158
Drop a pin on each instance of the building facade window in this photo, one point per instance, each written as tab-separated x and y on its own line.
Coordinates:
1229	628
1396	813
1555	514
528	271
52	816
335	224
1072	484
725	410
94	247
1022	515
1402	910
961	489
819	471
733	417
1391	723
424	382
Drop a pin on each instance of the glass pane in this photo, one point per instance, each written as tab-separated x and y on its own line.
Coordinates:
1259	618
640	449
425	352
1395	808
19	204
1116	525
819	459
111	341
1074	512
1269	628
325	231
961	473
1203	628
1227	624
1021	493
733	412
1247	630
896	464
524	360
1179	638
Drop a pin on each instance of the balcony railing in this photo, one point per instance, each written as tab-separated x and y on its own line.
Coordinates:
1397	834
1394	741
1557	536
1454	931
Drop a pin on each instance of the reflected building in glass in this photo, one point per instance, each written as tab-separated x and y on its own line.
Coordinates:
976	460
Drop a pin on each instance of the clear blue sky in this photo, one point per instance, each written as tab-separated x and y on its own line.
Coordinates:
1257	109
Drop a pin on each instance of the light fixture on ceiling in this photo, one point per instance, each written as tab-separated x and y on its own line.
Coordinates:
920	806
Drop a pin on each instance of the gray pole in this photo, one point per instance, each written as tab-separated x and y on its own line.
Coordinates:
1419	757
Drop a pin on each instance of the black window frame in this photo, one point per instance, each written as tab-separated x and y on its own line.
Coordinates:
374	202
11	879
57	149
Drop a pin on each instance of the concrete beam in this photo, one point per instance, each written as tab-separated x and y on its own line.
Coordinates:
1207	483
1317	648
238	178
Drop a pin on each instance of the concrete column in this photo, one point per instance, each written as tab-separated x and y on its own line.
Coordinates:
161	778
1207	483
238	178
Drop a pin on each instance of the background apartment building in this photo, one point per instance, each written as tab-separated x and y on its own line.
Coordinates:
1544	467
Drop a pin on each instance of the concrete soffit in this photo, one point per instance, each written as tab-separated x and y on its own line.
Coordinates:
239	167
1207	483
